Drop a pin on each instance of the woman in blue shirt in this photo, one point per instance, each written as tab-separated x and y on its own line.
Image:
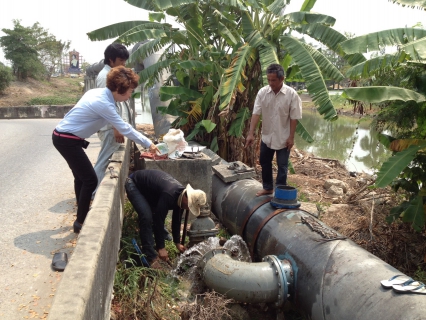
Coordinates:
94	110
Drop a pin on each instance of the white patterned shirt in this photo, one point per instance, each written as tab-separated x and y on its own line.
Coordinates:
276	111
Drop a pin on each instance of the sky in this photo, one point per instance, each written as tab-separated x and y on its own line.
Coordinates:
71	20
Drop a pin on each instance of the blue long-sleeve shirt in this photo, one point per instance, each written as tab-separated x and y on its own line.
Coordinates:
94	110
162	192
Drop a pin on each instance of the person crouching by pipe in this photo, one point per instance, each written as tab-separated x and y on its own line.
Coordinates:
153	193
94	110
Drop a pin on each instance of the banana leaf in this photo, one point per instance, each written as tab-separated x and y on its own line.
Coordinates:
370	67
232	77
208	125
416	49
402	144
117	29
303	133
394	166
301	17
331	38
158	5
276	7
415	213
327	68
312	75
380	94
308	5
385	139
238	124
411	3
167	93
376	40
196	65
154	70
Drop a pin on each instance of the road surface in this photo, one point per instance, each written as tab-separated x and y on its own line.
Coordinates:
36	215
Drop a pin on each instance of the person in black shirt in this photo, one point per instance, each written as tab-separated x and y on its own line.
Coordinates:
153	193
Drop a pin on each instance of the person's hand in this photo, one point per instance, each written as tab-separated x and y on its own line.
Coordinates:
290	143
249	140
162	254
119	138
180	247
153	149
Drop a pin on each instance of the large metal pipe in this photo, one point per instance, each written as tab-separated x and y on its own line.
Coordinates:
246	282
332	279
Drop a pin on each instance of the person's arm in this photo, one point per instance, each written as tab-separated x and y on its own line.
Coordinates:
295	114
176	222
119	138
165	202
253	124
290	139
110	114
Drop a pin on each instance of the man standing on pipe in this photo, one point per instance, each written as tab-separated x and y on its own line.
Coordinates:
153	193
280	107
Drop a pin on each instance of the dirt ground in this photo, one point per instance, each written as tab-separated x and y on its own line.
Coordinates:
20	92
359	214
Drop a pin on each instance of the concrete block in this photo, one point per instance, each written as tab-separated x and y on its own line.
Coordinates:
228	175
196	172
215	158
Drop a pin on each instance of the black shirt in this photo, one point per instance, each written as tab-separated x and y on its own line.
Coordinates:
161	191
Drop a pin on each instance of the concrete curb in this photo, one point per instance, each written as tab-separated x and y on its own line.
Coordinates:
85	289
33	112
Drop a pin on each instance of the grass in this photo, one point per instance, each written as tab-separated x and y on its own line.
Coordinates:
139	292
63	91
420	275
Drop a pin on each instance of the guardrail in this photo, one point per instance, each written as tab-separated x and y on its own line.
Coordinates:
85	289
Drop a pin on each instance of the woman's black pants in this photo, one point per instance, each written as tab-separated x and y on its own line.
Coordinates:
85	180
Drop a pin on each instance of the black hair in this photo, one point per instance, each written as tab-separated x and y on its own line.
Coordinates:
277	69
114	51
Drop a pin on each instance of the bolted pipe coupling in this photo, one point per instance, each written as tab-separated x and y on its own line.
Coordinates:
253	282
284	274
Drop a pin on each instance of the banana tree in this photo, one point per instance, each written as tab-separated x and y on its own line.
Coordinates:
401	96
220	56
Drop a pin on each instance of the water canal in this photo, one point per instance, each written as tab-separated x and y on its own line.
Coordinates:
349	140
333	140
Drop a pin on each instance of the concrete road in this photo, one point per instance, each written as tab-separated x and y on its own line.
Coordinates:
36	215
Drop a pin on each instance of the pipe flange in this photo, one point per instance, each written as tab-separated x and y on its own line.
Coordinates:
203	261
281	279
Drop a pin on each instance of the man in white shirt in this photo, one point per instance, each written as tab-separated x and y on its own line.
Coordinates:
115	55
280	107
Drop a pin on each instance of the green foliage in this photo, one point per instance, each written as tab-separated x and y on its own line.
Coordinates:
5	77
53	100
32	50
397	86
222	53
223	234
420	275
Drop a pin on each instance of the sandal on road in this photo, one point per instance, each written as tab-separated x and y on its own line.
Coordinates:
59	261
395	280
